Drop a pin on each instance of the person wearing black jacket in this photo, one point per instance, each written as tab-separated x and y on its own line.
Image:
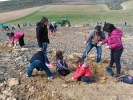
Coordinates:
38	61
42	38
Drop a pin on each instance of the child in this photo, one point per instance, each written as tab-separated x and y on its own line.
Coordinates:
18	36
61	65
51	29
38	61
82	72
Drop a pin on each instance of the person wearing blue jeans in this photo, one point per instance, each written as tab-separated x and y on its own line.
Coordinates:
38	61
42	38
88	49
94	37
44	49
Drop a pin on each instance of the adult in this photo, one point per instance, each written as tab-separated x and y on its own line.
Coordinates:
114	43
42	38
93	38
38	61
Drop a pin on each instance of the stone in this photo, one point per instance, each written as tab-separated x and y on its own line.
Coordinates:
8	92
13	82
3	97
2	79
65	85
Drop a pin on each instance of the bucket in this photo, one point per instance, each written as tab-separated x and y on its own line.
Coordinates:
109	71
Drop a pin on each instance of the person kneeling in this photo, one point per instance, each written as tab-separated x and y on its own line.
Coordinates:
38	60
61	65
82	71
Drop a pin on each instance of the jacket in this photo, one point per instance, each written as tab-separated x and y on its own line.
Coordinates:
38	56
61	65
41	34
16	37
92	37
114	40
82	70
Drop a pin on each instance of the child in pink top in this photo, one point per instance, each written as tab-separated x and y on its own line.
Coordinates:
17	37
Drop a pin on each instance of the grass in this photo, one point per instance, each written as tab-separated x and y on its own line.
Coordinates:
76	15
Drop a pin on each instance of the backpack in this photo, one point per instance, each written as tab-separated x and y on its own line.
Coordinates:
128	79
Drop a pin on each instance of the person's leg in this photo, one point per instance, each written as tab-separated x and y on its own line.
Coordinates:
45	45
67	71
88	49
62	72
21	41
30	69
111	59
99	53
86	79
117	56
45	68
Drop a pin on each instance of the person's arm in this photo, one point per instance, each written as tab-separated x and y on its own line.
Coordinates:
78	73
89	36
38	35
104	41
12	41
117	43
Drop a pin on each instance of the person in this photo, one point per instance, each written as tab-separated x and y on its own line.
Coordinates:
82	71
38	60
42	38
13	28
51	29
94	37
6	28
114	43
61	65
55	29
18	26
17	37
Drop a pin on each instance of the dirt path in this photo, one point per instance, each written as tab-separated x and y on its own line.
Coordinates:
17	14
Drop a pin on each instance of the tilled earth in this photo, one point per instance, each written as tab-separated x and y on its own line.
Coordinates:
15	62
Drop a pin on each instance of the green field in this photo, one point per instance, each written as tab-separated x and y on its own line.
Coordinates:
78	14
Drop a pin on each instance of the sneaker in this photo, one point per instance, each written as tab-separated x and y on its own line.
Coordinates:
99	64
117	75
27	76
51	78
50	64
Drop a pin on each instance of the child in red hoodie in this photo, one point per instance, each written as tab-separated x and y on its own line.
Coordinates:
82	72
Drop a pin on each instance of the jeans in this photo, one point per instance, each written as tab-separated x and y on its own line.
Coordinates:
44	49
85	79
115	58
41	65
88	49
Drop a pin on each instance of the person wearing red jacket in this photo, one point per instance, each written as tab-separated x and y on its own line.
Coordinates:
82	72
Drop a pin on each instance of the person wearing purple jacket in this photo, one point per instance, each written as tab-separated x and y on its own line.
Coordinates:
61	65
114	43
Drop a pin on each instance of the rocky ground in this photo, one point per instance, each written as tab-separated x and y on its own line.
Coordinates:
15	62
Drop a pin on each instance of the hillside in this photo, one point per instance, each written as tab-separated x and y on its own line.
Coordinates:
22	4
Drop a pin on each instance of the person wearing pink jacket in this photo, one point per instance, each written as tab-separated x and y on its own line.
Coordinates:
17	37
114	43
83	72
